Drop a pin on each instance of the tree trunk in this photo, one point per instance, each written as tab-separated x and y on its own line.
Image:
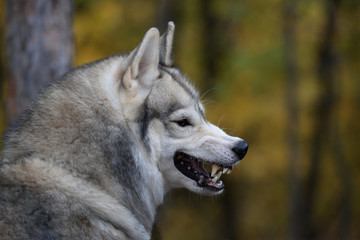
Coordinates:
325	133
167	11
209	45
2	98
292	75
215	44
39	43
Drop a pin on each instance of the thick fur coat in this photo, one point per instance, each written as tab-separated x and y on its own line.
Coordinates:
94	155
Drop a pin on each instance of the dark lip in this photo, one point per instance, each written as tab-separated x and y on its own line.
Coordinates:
192	167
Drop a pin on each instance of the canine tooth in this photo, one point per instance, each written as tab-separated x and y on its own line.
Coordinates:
217	176
214	179
225	170
229	171
214	169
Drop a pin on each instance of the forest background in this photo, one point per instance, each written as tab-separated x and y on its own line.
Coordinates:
281	74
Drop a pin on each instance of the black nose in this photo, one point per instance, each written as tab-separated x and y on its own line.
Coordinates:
241	148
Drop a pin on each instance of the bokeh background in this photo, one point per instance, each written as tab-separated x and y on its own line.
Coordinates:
281	74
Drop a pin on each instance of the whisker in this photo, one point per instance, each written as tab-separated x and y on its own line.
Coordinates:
229	130
220	120
211	89
206	102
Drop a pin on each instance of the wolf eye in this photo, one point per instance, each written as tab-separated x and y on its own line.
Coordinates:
183	122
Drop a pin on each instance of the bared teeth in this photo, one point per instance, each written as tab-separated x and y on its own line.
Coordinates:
217	171
216	177
214	169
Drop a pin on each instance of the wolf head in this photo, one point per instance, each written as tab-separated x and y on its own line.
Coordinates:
165	111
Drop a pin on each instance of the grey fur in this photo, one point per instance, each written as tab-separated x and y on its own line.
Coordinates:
92	157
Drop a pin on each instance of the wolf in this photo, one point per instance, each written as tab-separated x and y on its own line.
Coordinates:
95	153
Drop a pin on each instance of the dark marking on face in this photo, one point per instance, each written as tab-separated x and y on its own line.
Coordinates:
117	148
173	107
119	153
148	113
144	118
201	111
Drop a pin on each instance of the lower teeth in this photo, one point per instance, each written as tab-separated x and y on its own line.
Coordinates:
216	177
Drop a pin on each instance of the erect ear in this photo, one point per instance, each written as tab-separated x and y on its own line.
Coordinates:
166	42
143	69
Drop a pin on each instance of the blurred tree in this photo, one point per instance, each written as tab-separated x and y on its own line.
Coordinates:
2	98
2	70
167	11
292	79
213	42
39	44
325	131
210	45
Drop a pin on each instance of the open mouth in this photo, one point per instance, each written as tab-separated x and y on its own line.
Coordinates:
194	169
